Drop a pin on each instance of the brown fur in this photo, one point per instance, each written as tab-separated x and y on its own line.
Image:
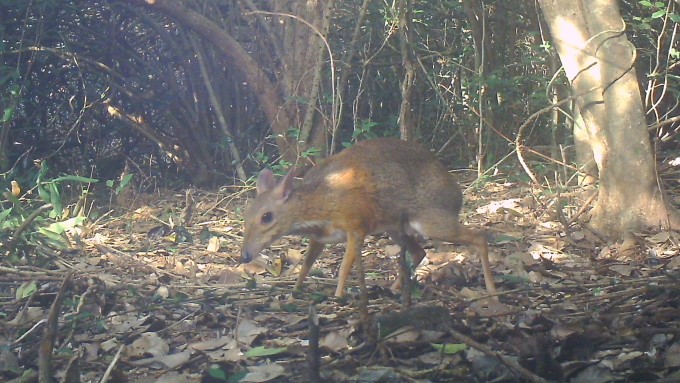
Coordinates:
382	185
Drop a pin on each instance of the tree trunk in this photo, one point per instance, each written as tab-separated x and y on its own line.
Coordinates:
598	60
406	123
304	56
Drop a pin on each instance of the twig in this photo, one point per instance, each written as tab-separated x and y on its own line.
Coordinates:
583	208
530	376
313	356
363	303
113	363
50	333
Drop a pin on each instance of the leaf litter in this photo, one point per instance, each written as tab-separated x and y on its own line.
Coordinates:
150	302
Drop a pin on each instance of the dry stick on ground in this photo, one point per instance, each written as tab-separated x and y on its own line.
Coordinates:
583	207
371	336
113	363
50	333
313	357
530	376
567	224
188	212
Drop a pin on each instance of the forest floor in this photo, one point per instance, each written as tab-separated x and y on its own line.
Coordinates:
138	301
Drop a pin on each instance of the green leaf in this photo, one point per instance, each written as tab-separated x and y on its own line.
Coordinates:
124	183
51	234
26	290
60	227
645	3
109	183
55	200
505	238
7	115
42	192
215	371
86	180
3	216
675	17
660	4
659	14
449	348
126	180
263	351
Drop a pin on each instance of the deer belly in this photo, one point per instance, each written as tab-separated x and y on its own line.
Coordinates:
331	236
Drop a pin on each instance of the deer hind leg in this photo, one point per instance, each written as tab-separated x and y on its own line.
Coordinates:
412	246
445	227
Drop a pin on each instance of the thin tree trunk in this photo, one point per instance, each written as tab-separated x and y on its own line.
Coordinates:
268	96
406	123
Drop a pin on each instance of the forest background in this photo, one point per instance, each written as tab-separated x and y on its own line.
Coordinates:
131	132
164	94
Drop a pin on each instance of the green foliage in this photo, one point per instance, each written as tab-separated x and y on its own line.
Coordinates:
264	161
364	130
118	187
652	11
38	225
26	290
449	348
216	372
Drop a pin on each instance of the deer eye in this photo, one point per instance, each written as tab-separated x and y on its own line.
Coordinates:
266	218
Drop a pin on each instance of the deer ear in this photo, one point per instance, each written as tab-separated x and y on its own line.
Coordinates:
265	181
285	186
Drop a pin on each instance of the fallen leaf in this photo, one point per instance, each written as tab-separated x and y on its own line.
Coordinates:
261	351
672	356
625	270
674	263
578	235
335	341
405	334
228	353
148	343
247	331
169	362
29	315
392	250
211	344
263	373
176	377
660	237
213	244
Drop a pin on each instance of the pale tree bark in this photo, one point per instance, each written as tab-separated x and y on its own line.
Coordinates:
598	59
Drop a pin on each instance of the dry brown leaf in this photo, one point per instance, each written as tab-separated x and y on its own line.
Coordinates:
213	244
211	344
165	362
335	340
263	373
148	343
247	331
